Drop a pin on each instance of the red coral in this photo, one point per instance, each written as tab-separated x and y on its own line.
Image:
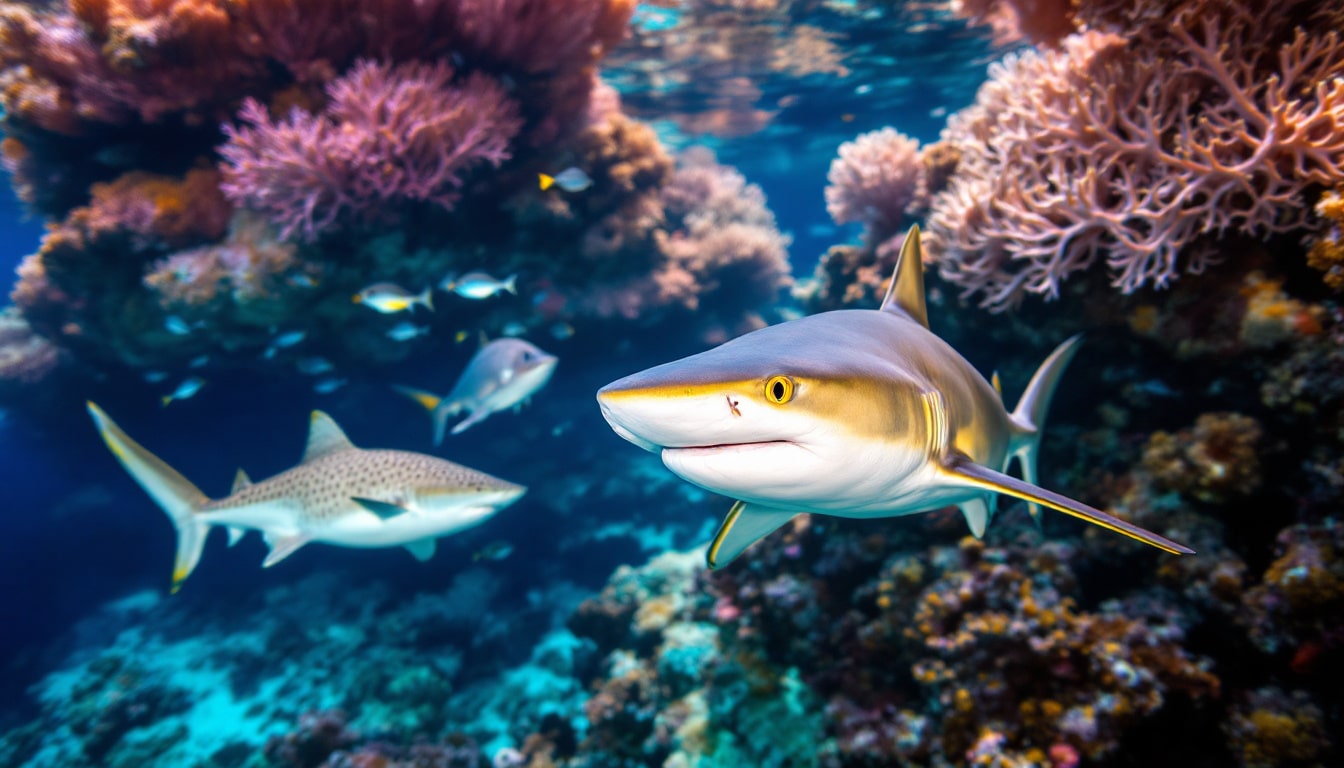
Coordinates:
389	135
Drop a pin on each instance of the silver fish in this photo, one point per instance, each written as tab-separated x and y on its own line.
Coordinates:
406	331
478	285
502	374
338	494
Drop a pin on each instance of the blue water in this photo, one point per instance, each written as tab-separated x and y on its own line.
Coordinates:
809	651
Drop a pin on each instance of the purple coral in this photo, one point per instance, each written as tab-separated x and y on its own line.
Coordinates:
389	135
877	179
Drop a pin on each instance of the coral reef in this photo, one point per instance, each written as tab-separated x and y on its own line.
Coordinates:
1214	461
1152	155
387	135
330	147
877	180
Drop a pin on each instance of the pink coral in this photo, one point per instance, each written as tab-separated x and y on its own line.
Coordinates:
1136	151
25	357
389	135
1040	21
877	179
536	36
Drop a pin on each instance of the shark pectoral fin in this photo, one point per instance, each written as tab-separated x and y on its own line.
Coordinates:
745	525
383	509
240	481
427	400
977	515
422	549
236	534
967	473
283	546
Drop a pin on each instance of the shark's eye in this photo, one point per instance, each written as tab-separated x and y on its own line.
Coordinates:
779	389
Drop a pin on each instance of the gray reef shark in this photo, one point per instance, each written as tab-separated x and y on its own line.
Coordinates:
852	413
502	374
338	494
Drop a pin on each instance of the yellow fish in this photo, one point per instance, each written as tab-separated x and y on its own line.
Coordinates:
389	297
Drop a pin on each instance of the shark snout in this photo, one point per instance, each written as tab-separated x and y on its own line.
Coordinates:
669	415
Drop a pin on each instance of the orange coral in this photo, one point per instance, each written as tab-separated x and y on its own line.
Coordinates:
1327	252
160	209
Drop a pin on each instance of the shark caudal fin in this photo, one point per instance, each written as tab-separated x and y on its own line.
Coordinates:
1029	417
174	493
971	475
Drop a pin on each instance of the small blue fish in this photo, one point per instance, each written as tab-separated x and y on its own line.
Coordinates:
571	180
562	330
154	377
288	339
513	328
184	390
199	362
314	366
327	386
301	280
407	331
176	325
478	285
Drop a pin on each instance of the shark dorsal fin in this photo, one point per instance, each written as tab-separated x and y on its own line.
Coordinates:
325	438
241	481
906	293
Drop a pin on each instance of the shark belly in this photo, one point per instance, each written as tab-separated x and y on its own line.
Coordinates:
364	530
869	478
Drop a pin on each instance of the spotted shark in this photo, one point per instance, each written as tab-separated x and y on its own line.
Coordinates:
851	413
502	374
338	494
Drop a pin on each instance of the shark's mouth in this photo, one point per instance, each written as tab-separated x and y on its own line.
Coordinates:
723	447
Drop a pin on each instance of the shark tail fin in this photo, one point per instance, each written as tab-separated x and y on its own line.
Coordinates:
174	493
1029	416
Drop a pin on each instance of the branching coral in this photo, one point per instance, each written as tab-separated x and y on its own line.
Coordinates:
1135	148
877	179
388	135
